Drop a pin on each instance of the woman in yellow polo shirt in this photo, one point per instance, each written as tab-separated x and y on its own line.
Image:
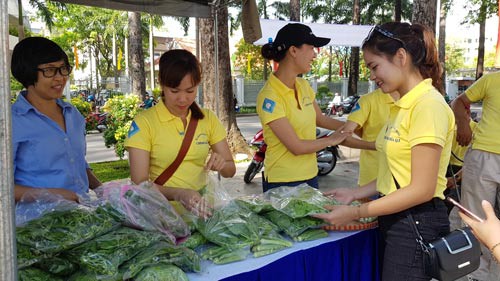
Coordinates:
414	148
289	113
156	135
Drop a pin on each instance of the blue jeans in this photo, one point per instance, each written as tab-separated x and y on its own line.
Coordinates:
401	255
268	185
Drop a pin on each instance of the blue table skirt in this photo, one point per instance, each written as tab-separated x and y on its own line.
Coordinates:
347	256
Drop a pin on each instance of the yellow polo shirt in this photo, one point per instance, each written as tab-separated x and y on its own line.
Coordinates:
421	116
459	150
161	133
487	134
371	113
276	101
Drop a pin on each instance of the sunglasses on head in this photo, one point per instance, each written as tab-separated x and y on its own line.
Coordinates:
385	33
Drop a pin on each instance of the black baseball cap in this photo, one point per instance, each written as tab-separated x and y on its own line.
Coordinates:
296	34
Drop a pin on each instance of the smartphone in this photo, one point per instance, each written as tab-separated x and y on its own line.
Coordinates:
464	210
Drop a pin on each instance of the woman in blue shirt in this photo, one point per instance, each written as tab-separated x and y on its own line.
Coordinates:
48	134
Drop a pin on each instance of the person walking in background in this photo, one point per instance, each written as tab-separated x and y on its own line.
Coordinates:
48	134
367	118
289	113
414	149
155	136
480	176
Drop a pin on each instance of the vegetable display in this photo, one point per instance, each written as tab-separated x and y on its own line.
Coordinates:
293	227
60	230
255	203
35	274
106	253
144	207
298	201
162	253
163	273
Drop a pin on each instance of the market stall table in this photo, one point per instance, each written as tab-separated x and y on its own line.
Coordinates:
347	256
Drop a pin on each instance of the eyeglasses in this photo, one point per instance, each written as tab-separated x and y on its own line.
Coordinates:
49	72
385	33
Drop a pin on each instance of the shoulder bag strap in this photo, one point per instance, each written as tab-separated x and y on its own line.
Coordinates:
188	138
420	240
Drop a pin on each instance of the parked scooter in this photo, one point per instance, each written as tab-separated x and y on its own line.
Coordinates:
100	119
327	157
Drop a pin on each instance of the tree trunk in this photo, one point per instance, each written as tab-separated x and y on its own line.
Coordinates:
354	61
442	39
20	20
397	11
480	50
424	12
223	103
136	55
295	10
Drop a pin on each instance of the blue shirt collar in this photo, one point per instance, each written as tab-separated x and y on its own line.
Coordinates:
23	106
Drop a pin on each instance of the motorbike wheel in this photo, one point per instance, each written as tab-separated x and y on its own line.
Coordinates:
328	112
331	164
252	170
340	112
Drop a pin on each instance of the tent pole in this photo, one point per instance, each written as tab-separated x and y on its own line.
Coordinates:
8	263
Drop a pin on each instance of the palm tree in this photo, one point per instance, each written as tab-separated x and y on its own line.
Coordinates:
424	12
295	10
43	11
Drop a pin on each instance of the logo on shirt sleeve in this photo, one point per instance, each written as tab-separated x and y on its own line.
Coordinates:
268	105
134	129
356	108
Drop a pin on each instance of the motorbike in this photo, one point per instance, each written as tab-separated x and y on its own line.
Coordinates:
344	107
99	121
326	157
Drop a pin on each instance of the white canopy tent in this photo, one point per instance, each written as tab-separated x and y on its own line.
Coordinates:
340	34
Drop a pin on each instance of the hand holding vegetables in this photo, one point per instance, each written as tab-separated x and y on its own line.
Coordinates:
343	194
340	215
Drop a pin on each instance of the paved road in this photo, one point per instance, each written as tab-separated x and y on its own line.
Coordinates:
344	175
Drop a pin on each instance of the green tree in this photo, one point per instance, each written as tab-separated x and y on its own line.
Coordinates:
249	55
487	8
454	60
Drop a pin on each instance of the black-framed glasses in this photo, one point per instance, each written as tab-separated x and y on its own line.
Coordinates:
49	72
385	33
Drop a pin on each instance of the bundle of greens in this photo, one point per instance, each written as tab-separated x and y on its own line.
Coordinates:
26	257
223	255
161	253
255	203
35	274
230	226
310	234
60	230
57	266
298	201
144	207
163	273
106	253
292	227
269	244
194	240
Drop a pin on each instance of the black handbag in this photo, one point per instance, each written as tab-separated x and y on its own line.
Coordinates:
450	257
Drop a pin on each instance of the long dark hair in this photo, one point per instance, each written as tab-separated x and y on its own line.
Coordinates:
174	66
418	40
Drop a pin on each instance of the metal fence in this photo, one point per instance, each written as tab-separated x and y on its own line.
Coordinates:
246	91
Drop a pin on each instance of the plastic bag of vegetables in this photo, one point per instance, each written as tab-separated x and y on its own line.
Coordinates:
161	253
298	201
293	227
144	207
62	229
106	253
163	273
255	203
35	274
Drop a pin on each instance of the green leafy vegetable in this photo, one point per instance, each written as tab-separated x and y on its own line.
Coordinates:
298	201
35	274
292	227
163	273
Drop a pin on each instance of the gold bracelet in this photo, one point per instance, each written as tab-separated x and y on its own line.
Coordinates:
493	254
